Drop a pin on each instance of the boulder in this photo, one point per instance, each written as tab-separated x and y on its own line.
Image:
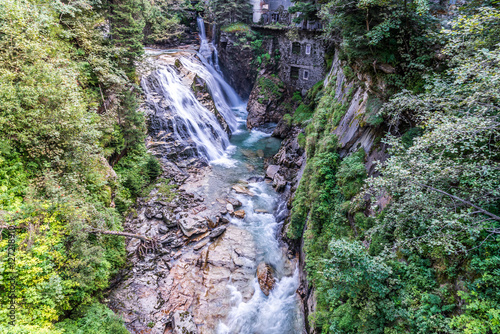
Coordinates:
265	276
279	182
239	214
230	208
216	232
272	170
190	226
234	202
242	190
183	323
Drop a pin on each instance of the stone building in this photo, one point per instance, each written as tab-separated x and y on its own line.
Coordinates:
302	60
271	11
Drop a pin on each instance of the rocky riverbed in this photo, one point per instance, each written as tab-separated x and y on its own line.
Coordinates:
213	225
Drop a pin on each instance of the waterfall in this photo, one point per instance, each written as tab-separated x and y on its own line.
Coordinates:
190	128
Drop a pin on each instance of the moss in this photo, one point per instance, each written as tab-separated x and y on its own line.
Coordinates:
237	28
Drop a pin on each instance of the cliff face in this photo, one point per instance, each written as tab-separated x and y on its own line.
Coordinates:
358	128
236	64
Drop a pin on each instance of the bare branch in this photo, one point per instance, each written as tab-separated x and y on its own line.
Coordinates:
483	211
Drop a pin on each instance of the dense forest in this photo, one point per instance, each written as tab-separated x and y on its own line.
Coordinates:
412	247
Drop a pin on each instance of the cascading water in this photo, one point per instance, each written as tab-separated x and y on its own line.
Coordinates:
193	127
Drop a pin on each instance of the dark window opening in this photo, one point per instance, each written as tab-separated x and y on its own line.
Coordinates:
296	48
294	73
306	75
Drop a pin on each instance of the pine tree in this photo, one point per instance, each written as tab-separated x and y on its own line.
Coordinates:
127	28
230	11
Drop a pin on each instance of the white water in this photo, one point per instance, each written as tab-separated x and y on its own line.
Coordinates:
191	121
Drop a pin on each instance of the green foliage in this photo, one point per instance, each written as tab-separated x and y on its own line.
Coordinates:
127	29
93	319
271	88
163	20
230	11
351	174
237	27
67	111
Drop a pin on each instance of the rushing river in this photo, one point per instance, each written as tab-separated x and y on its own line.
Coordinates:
235	159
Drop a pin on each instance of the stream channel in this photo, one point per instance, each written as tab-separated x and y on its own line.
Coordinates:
224	296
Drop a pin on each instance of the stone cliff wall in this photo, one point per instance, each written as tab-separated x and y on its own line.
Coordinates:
358	128
236	64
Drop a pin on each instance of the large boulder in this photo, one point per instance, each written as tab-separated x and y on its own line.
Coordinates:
265	276
190	226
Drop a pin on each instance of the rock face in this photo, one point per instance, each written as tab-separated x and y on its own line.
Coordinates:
265	276
265	103
183	323
236	64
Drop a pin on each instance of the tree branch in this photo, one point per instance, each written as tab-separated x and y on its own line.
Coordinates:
483	211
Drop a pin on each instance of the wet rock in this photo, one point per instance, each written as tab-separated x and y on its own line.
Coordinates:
217	232
265	276
190	226
279	182
242	190
272	170
234	202
183	323
224	220
230	208
255	179
201	244
239	214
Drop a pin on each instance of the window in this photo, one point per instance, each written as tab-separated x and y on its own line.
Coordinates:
294	73
296	48
306	75
308	49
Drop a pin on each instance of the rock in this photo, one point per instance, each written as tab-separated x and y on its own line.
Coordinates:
234	202
224	220
239	214
260	153
265	276
272	170
230	208
200	237
212	223
386	68
150	213
242	190
183	323
167	239
279	182
216	232
255	179
163	229
201	244
190	226
261	211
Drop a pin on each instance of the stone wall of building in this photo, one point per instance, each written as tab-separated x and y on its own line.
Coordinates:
302	61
